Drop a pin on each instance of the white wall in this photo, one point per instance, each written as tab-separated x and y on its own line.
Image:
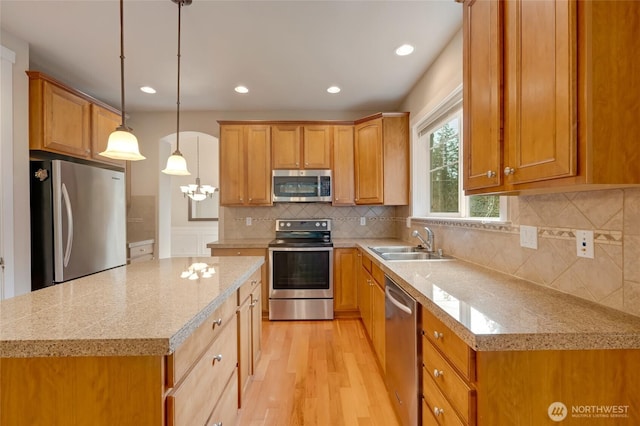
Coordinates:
21	227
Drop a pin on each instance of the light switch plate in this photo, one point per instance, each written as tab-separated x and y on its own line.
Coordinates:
584	244
363	220
248	221
529	237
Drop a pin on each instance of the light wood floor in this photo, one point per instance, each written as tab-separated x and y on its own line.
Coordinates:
317	373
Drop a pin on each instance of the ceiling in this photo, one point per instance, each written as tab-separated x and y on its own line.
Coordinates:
286	52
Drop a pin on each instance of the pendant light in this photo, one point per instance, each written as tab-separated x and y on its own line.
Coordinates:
176	164
198	192
122	144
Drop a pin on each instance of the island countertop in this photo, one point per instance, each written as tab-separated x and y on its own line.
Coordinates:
147	308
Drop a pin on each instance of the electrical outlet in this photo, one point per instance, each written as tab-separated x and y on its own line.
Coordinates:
529	237
363	221
584	244
409	222
248	221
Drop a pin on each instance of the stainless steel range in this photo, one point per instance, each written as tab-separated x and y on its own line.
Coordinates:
301	265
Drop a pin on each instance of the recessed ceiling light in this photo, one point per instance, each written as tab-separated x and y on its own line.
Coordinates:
148	89
241	89
333	89
404	50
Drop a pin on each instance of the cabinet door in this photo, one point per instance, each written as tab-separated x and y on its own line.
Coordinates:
258	165
540	85
343	184
66	122
378	325
482	144
316	151
232	165
103	123
345	280
286	146
368	163
244	348
256	328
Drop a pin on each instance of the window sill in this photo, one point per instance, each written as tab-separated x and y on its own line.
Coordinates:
463	221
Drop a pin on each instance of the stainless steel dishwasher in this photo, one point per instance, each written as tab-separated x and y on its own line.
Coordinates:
401	349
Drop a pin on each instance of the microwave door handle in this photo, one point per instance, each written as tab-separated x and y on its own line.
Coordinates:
67	203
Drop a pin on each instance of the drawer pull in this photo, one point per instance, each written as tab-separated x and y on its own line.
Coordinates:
217	322
253	303
437	411
437	335
217	424
437	373
216	358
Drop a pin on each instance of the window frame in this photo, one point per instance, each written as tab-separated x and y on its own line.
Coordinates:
448	108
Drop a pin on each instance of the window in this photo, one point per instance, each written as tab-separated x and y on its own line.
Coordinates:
437	164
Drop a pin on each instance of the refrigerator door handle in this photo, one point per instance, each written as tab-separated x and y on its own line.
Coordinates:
67	203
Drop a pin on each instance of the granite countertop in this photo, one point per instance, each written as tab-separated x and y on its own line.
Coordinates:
493	311
140	309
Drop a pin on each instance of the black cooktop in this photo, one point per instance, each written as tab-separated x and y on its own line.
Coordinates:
301	242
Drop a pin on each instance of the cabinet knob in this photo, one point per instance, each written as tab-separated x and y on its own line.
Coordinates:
509	171
437	335
217	424
437	373
216	358
491	174
437	411
254	302
217	322
238	253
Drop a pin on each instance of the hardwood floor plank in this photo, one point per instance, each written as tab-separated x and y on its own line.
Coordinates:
316	373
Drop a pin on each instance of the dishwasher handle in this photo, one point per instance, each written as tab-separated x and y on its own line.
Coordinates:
396	302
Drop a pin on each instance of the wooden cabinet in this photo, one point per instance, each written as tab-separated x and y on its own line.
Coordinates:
343	166
245	165
382	144
249	330
264	271
301	146
65	121
371	304
200	370
103	123
448	375
59	119
567	94
345	282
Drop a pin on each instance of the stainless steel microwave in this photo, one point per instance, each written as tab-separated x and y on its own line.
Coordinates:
301	186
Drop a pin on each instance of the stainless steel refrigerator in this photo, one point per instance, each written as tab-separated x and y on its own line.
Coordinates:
78	221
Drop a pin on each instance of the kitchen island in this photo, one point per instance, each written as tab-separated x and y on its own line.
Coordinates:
128	346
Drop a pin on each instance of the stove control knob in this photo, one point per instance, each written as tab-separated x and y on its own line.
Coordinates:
288	224
324	224
317	224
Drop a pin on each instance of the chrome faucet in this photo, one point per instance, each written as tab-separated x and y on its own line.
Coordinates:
428	243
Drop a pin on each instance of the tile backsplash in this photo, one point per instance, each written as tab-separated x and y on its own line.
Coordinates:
612	278
379	220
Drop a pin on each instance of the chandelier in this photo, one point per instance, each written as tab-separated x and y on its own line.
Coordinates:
198	192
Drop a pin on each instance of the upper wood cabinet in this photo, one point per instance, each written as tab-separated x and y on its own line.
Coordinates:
65	121
245	165
301	146
382	159
569	108
343	166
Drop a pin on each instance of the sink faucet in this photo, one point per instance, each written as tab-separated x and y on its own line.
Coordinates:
428	243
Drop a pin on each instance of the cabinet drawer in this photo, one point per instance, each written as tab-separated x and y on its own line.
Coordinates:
366	262
226	412
437	404
249	287
187	353
454	349
377	274
192	402
456	390
144	258
237	252
141	250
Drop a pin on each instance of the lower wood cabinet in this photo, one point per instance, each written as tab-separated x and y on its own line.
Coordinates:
371	304
249	329
345	282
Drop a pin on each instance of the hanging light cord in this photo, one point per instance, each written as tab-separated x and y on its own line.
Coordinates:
198	162
123	126
178	97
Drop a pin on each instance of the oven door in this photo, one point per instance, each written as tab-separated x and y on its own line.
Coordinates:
301	273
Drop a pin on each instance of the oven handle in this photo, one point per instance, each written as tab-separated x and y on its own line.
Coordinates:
272	249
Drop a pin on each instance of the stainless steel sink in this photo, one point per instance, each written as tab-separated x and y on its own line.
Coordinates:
392	253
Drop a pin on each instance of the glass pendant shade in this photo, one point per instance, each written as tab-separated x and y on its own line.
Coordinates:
122	145
176	165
